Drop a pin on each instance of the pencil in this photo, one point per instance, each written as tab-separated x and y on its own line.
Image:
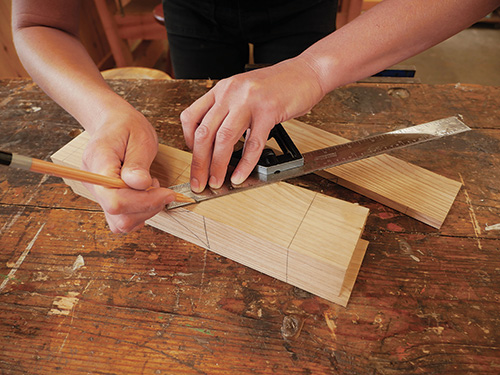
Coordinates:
45	167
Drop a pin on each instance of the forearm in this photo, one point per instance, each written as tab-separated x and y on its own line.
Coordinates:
59	63
123	143
389	33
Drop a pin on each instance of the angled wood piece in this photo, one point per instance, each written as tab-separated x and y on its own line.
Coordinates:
412	190
293	234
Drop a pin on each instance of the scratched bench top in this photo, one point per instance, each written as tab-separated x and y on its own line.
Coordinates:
75	298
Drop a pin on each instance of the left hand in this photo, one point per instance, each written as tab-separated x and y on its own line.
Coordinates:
256	100
123	145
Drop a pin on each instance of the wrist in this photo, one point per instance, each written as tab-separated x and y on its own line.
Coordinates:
109	109
322	67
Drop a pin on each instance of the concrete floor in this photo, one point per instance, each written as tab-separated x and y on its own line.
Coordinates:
472	56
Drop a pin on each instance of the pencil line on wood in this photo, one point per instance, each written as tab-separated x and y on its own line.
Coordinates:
295	234
206	231
180	175
172	214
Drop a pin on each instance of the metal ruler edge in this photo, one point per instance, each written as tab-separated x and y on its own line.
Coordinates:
333	156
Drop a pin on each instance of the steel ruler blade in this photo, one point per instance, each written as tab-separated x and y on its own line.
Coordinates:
335	155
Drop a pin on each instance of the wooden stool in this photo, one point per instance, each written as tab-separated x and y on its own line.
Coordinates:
134	72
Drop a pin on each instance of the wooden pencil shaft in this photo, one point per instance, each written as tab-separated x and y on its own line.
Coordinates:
46	167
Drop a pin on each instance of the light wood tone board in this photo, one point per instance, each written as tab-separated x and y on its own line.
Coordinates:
410	189
301	237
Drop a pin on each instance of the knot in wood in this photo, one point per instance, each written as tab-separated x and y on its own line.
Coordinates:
291	327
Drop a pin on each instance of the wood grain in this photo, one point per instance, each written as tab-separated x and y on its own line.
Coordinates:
425	301
408	188
293	234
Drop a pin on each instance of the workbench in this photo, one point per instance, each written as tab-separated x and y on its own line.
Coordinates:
75	298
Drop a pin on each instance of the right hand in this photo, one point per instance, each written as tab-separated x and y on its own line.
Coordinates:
124	145
255	101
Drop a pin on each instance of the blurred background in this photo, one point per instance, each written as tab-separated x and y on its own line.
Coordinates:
130	33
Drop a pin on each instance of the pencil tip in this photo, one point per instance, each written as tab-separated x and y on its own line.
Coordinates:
181	198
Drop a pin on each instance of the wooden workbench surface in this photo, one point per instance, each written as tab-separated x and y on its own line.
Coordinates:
75	298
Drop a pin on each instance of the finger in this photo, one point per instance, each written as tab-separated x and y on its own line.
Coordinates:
122	219
131	202
254	144
229	133
128	223
139	155
203	147
192	116
99	157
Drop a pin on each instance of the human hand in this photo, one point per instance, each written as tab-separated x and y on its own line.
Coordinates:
124	145
254	102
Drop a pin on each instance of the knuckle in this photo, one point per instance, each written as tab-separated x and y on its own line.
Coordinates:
270	105
150	142
185	116
253	150
253	145
153	208
124	224
225	84
237	84
253	90
226	135
113	207
202	133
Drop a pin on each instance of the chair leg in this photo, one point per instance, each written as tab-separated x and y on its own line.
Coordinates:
119	48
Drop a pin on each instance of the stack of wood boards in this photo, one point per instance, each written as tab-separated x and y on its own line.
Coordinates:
301	237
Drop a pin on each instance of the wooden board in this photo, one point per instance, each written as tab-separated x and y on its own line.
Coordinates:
412	190
299	236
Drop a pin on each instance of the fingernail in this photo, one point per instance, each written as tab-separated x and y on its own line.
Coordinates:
169	198
195	185
213	183
237	178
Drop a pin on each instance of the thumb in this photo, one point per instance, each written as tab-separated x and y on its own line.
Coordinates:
135	168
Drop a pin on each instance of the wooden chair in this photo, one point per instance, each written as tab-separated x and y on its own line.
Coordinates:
134	36
137	37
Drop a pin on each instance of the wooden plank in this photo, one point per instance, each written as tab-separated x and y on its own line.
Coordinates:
293	234
410	189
